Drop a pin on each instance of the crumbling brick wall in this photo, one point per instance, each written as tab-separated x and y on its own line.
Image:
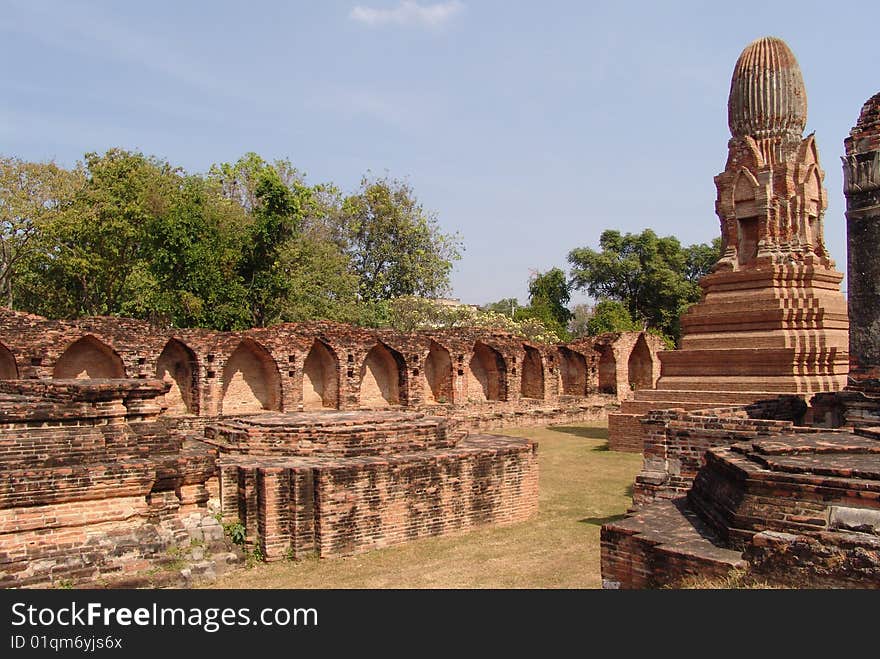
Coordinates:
676	441
625	361
93	483
341	506
315	365
106	471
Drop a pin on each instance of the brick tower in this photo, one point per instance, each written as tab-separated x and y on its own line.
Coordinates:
772	319
861	185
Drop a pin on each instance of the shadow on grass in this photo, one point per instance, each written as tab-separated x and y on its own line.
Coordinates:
599	521
587	432
629	490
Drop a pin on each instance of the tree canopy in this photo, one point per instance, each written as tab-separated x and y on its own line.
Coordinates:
252	243
549	293
249	243
396	246
655	278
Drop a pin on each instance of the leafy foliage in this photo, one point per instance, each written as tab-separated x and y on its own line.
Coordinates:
32	197
611	316
549	293
235	531
247	244
654	278
408	314
396	246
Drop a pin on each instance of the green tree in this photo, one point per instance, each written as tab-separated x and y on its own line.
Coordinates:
141	238
549	293
396	246
277	201
32	197
192	257
507	306
611	316
655	278
700	259
248	244
319	282
92	258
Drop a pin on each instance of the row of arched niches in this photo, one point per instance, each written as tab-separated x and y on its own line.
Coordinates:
293	367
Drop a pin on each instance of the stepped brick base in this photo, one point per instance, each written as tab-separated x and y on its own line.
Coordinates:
664	544
745	488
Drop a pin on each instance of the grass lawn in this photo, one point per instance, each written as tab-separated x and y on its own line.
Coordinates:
582	485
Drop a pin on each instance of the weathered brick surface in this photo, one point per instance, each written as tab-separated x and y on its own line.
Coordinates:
316	365
94	483
336	506
664	544
371	428
772	319
801	503
625	433
861	173
342	434
675	441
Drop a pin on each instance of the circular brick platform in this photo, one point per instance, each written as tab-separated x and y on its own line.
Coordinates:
333	433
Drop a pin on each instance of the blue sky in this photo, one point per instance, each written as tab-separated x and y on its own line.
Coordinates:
529	127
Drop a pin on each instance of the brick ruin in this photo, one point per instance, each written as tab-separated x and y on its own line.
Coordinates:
861	186
324	365
738	488
785	493
97	482
123	443
772	319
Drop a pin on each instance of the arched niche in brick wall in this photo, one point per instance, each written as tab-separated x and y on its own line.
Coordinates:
8	367
178	366
532	380
607	370
89	358
320	377
438	375
640	365
251	382
487	374
572	372
382	377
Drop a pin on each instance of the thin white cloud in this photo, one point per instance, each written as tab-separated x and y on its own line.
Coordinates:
408	14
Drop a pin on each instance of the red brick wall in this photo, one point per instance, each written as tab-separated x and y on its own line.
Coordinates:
676	441
265	368
625	432
90	479
631	560
350	506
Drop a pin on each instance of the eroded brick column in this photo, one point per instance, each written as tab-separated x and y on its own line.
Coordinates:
273	491
229	493
302	513
861	173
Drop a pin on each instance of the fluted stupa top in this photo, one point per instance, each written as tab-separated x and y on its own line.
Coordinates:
767	94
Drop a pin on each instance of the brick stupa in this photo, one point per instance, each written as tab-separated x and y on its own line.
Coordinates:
772	319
